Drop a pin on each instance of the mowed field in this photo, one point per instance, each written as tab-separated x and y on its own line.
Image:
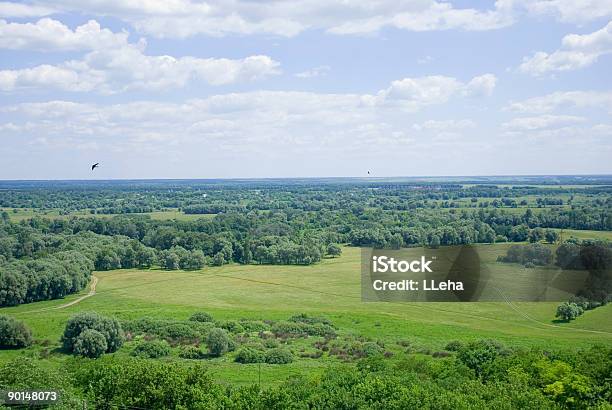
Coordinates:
331	288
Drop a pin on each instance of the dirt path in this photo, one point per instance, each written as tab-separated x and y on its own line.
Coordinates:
92	291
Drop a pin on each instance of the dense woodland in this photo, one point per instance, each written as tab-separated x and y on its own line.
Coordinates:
262	222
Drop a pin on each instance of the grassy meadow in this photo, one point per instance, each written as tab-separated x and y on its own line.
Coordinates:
330	288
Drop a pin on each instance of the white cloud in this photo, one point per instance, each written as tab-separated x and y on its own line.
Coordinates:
314	72
184	18
51	35
444	125
256	119
577	51
573	99
111	71
19	10
415	93
541	122
571	11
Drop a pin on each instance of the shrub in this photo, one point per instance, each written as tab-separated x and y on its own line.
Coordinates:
201	317
568	311
13	333
370	349
191	352
279	356
271	343
254	325
479	355
177	331
152	349
108	327
453	346
249	355
218	341
230	325
90	343
310	320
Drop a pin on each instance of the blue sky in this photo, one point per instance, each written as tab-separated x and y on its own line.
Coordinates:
196	89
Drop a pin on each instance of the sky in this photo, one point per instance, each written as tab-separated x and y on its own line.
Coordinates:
304	88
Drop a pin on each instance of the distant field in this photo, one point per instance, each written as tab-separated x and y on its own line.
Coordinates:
19	214
332	289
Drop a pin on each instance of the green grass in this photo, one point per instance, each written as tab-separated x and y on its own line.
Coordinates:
332	289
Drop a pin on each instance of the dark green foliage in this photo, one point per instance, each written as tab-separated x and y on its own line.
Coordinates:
13	333
108	327
254	325
218	342
191	352
371	349
249	355
201	317
24	373
181	331
534	254
152	349
90	343
479	355
333	250
231	326
287	329
278	356
148	384
453	346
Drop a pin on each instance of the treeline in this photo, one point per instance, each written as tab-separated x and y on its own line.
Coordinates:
51	277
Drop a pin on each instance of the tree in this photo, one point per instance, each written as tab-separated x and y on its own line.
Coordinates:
551	236
334	250
535	235
13	333
170	260
218	341
568	311
108	327
90	343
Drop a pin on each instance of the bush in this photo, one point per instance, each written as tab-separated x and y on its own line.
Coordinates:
279	356
230	325
479	355
568	311
201	317
13	333
218	342
453	346
152	349
191	352
254	325
249	355
90	343
371	349
271	343
108	327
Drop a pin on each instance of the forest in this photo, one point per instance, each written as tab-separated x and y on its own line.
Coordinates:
108	226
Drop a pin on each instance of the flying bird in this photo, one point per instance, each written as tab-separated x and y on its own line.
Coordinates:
94	166
368	172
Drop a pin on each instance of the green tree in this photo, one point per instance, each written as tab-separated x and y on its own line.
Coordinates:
14	334
218	342
568	311
90	343
334	250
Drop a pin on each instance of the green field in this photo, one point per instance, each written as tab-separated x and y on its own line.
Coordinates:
330	288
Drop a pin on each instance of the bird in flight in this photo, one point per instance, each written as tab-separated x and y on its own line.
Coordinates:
94	166
368	172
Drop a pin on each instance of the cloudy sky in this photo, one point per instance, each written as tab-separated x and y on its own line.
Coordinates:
282	88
